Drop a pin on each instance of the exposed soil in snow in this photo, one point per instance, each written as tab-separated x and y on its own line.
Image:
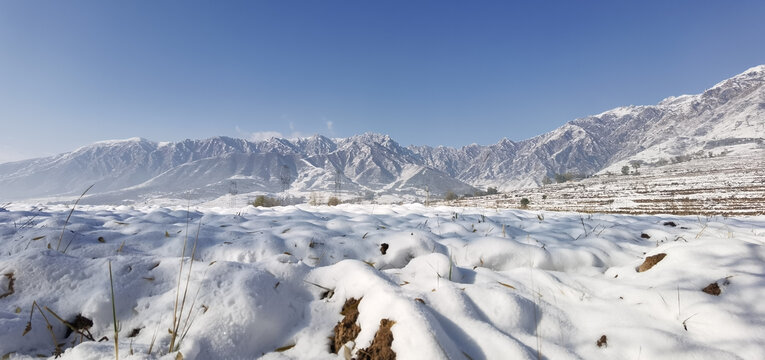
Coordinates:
347	329
380	348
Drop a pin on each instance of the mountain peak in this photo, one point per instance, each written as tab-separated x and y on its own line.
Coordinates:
120	141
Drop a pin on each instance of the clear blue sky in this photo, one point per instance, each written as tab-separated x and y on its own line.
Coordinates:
426	72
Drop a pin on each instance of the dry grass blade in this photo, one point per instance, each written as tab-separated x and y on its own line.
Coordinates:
154	337
114	317
284	348
175	337
70	215
506	285
189	319
173	334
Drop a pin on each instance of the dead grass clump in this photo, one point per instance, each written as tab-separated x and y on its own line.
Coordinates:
712	289
650	262
347	329
333	201
380	347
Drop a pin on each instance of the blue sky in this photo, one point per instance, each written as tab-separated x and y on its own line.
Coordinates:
426	72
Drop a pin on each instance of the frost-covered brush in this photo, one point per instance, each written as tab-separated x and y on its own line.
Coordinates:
175	338
70	215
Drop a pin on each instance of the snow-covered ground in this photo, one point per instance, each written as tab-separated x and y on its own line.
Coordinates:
455	283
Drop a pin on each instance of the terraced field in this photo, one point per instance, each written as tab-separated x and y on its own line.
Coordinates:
733	184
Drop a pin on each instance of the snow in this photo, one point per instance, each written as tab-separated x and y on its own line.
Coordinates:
458	282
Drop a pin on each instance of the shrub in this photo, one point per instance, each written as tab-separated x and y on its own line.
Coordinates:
560	178
491	191
625	170
525	203
450	196
333	201
265	201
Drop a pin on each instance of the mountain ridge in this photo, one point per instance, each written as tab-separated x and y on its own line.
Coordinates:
730	112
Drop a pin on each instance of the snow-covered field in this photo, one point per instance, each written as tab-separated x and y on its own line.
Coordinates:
445	283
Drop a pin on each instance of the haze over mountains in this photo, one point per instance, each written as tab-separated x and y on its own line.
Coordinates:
730	113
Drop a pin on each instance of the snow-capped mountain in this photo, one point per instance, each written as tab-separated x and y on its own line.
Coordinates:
136	169
730	113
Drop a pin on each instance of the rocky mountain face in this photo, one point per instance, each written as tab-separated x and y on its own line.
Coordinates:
730	113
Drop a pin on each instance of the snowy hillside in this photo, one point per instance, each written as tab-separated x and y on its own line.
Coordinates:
727	115
379	281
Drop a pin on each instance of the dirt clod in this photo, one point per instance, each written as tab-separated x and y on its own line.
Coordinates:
380	347
650	262
79	323
11	282
347	329
383	248
603	341
134	332
712	289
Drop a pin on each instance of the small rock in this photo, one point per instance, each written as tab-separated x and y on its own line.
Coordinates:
670	223
712	289
383	248
650	262
645	236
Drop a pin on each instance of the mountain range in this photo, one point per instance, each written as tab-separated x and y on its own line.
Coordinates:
731	113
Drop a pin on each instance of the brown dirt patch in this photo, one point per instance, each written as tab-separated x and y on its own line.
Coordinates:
650	262
712	289
347	329
380	347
